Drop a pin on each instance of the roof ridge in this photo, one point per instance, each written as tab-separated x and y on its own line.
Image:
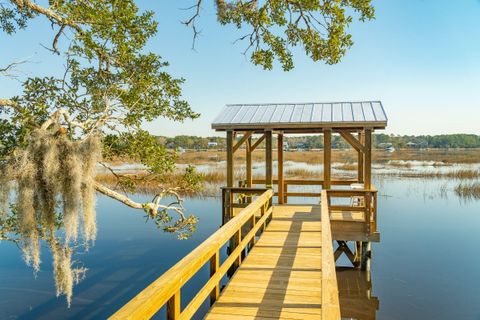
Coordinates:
297	103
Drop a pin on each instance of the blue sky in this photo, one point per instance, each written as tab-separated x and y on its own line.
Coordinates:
421	58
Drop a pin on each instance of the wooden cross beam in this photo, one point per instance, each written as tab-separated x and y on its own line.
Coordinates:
343	248
257	143
352	141
246	135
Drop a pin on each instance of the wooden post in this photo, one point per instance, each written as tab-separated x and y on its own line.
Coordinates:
214	265
361	138
230	177
368	159
173	307
268	159
280	167
327	158
248	161
285	192
252	242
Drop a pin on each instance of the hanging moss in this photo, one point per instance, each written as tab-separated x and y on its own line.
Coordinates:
6	177
90	152
54	191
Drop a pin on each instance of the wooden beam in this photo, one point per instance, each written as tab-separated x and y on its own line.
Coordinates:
352	141
246	135
330	297
257	143
268	160
280	168
361	139
230	177
173	307
327	158
368	159
248	162
214	266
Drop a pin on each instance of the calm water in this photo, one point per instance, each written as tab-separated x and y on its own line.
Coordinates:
425	267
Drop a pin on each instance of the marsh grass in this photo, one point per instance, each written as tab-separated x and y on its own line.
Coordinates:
468	190
399	164
459	174
302	173
347	166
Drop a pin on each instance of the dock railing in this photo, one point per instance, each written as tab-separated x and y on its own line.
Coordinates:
166	290
298	182
365	200
233	197
330	295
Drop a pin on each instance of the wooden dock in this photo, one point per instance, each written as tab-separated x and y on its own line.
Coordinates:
281	263
281	278
288	271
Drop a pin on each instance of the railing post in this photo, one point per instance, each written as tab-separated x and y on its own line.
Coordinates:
285	201
214	265
262	213
173	307
252	242
224	212
368	211
230	204
238	239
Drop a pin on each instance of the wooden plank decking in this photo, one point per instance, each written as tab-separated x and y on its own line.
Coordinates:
281	278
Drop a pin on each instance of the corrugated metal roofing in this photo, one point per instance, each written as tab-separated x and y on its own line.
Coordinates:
301	115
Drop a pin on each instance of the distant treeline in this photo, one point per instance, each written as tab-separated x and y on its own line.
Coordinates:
316	142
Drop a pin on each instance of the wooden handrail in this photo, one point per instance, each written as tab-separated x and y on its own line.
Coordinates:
245	190
166	289
369	207
302	182
330	298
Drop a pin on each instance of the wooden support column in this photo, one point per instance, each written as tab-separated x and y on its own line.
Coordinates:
230	177
268	159
248	161
327	158
280	167
368	159
361	138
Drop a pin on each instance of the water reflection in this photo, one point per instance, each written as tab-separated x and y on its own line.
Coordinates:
355	292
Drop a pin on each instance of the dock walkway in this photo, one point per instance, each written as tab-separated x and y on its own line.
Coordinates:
288	273
281	278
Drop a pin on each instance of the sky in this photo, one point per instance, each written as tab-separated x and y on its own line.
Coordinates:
421	58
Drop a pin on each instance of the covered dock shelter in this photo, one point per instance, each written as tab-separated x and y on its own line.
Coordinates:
354	121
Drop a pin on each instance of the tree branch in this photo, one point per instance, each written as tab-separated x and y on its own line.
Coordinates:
48	13
152	208
56	116
8	103
191	22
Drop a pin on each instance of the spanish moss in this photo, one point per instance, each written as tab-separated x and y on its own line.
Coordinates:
54	191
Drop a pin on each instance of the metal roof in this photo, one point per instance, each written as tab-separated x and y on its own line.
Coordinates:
282	116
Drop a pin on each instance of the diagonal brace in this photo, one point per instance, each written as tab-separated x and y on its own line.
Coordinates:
246	135
352	141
